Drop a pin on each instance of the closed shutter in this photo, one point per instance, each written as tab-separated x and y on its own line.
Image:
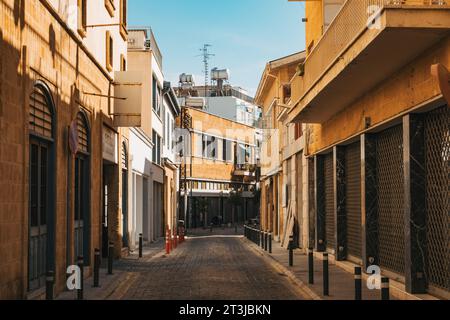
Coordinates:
353	197
391	199
437	156
329	201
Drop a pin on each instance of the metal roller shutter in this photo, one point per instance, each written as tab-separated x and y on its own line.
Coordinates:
437	155
391	199
329	201
353	198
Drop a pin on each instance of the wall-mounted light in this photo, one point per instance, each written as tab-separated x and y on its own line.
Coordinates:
304	20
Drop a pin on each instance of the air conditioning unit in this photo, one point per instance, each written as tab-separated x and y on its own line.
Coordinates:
148	44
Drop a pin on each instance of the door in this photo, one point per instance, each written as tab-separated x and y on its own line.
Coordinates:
39	211
125	208
80	208
329	203
105	238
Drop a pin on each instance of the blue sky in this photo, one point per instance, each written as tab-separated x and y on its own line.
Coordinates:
244	34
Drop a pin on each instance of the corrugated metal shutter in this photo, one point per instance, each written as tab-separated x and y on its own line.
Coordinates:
353	197
437	155
391	199
329	201
299	195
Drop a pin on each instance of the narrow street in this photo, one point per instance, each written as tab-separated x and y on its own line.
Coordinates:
216	267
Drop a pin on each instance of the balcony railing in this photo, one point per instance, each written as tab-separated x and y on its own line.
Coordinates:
355	16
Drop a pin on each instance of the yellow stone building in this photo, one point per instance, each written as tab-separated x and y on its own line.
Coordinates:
218	170
282	204
372	92
59	146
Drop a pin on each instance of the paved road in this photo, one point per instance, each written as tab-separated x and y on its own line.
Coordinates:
215	268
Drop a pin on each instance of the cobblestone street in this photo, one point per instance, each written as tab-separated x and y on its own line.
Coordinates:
208	267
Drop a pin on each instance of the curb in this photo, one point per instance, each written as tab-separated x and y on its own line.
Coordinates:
282	269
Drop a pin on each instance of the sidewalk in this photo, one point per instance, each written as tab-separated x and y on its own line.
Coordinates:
113	287
341	282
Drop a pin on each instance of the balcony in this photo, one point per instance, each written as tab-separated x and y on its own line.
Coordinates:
367	42
244	170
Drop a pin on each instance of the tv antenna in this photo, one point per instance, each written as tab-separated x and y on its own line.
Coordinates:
206	57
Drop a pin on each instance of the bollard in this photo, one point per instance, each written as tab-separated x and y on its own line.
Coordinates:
261	239
385	288
211	228
235	228
358	283
326	284
175	239
141	243
270	242
311	265
49	283
167	241
96	268
266	240
110	257
80	291
291	251
170	241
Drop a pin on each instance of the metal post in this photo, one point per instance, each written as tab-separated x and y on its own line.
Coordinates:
265	240
261	239
49	283
80	291
291	251
97	268
110	257
385	288
141	242
326	284
311	265
358	283
270	242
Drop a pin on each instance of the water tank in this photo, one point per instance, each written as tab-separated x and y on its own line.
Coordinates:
186	78
220	74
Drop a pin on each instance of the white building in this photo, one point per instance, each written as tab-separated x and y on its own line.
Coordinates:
146	141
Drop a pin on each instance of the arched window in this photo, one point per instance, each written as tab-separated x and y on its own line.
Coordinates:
41	112
41	185
82	191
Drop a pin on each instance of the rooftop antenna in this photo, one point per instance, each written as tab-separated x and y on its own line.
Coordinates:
206	57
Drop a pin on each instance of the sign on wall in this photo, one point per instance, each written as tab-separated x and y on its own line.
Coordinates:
128	95
110	142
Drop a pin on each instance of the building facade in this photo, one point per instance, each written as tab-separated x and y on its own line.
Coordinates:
218	170
282	179
171	111
150	141
377	139
60	180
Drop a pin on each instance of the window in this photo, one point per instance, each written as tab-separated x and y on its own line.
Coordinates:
156	92
227	150
41	185
109	51
298	130
123	63
110	7
123	19
156	152
199	145
82	17
81	215
209	147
